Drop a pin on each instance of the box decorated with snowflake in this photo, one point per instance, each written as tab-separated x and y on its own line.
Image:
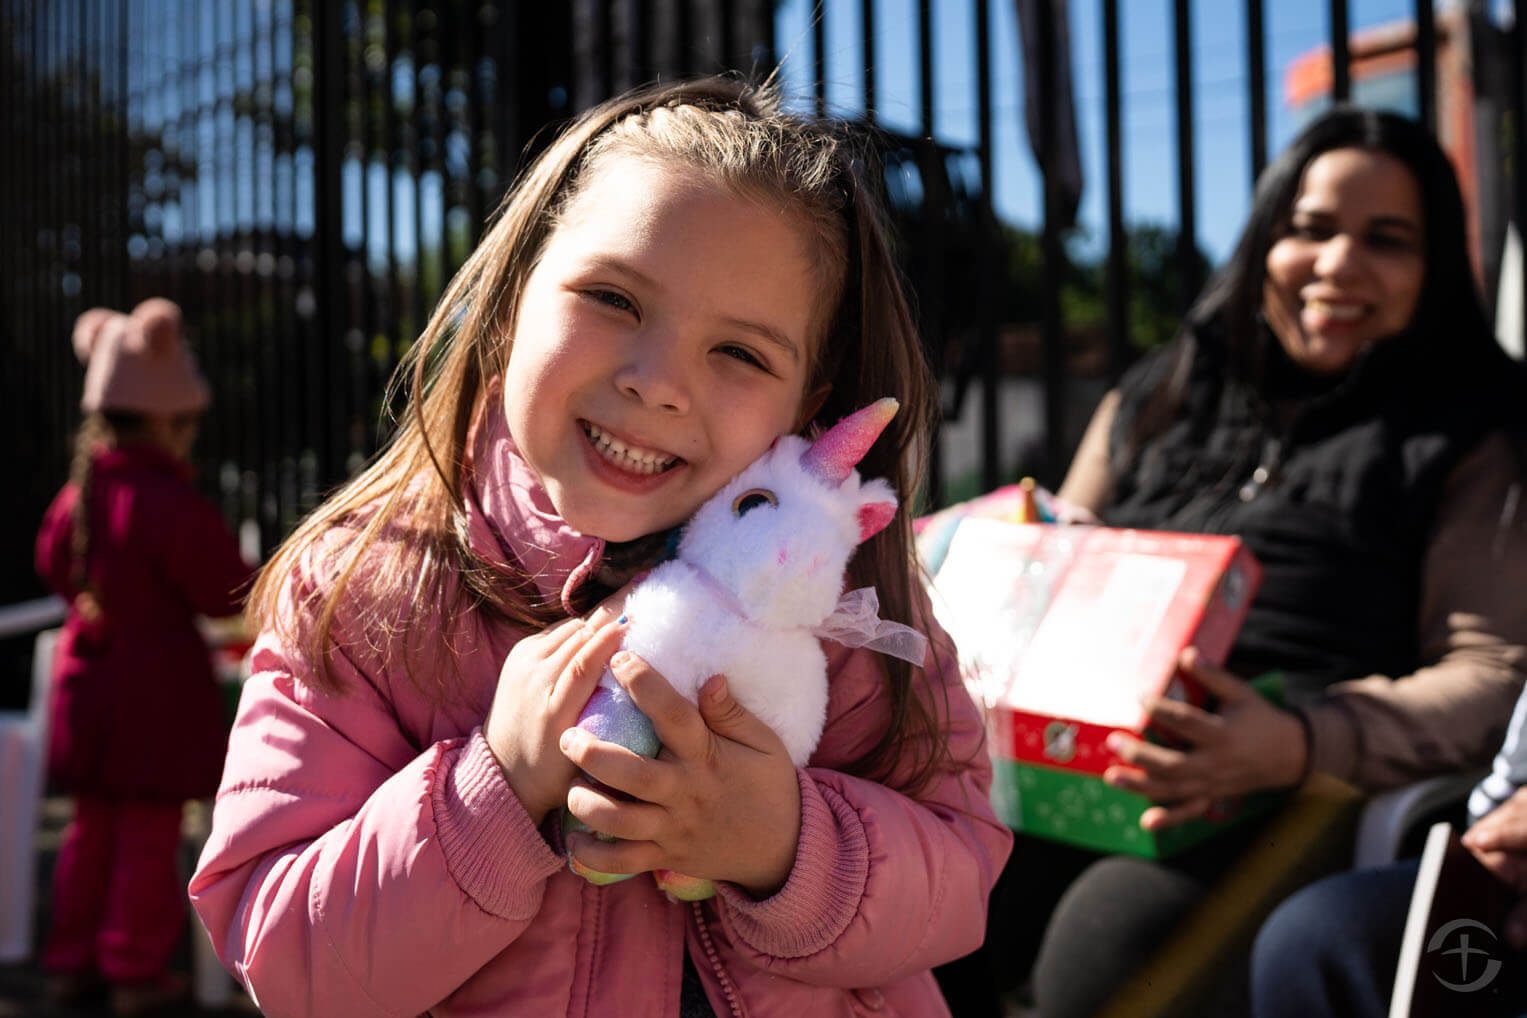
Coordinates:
1063	633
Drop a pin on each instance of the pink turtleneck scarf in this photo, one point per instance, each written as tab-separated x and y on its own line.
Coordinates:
511	520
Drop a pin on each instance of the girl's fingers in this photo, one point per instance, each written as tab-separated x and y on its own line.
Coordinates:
615	856
568	636
731	720
677	722
616	766
578	678
560	642
608	814
607	611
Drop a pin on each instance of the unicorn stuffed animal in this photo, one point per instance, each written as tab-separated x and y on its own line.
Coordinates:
756	581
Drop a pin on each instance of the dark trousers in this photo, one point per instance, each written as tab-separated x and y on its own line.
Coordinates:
119	903
1330	949
1077	925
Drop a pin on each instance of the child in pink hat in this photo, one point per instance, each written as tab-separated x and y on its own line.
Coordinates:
137	724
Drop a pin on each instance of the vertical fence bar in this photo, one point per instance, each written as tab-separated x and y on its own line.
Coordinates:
1118	240
253	425
1187	244
931	296
1052	327
867	25
366	321
987	254
57	376
267	406
1341	54
638	47
224	241
1256	86
472	50
726	16
53	145
87	219
284	216
514	96
1517	42
1426	63
818	55
382	342
330	73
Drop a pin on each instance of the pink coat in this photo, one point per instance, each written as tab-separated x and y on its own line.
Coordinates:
368	858
135	712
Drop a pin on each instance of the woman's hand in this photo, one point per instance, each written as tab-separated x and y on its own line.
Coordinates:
1499	840
721	801
543	686
1247	745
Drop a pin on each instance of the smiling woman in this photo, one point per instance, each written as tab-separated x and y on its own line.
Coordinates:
1347	271
1337	401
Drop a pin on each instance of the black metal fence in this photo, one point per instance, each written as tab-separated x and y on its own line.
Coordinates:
304	176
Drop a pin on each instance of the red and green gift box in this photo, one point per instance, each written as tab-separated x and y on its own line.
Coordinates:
1064	632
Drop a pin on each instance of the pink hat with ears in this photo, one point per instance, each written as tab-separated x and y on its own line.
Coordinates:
138	362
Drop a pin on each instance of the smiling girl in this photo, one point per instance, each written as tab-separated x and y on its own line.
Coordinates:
684	276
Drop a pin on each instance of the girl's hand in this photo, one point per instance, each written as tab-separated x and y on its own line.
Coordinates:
1248	745
545	682
721	800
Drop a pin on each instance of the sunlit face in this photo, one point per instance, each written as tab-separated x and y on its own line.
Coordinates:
662	343
175	434
1348	270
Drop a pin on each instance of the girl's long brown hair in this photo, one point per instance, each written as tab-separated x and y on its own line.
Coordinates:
99	430
738	136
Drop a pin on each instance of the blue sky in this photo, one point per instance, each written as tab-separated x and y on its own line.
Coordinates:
1223	159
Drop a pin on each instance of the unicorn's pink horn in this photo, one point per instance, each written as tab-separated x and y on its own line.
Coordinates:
836	452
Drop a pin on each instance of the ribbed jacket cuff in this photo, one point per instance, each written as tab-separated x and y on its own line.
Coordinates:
822	894
1335	740
491	848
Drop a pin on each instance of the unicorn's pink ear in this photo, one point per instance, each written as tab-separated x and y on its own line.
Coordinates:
874	516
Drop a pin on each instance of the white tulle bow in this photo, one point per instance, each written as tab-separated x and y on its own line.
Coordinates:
856	622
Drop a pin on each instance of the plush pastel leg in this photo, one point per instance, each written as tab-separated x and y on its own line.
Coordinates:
680	887
571	823
613	716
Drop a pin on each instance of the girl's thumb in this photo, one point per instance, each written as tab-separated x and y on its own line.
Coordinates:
722	712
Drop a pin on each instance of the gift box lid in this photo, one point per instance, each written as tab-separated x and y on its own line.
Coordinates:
1082	624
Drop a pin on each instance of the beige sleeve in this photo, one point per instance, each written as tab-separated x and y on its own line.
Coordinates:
1380	732
1089	482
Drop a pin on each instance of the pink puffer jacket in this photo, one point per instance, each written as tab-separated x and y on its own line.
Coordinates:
368	858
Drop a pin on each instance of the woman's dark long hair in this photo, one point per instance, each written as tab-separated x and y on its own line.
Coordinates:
1448	311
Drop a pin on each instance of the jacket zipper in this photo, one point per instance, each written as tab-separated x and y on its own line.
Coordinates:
733	1001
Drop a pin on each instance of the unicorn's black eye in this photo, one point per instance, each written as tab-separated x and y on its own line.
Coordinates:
752	499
